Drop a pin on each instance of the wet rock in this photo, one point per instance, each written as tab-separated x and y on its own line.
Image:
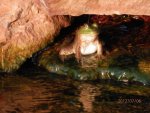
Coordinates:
118	67
114	20
25	27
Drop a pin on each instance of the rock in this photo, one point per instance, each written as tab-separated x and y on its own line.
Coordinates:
145	18
107	7
118	66
25	27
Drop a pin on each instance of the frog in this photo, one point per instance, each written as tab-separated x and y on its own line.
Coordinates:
86	42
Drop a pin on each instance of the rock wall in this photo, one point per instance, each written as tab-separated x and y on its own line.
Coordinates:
108	7
25	28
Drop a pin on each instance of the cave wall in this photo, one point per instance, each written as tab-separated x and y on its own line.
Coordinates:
100	7
25	28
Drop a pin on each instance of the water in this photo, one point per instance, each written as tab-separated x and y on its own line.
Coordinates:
38	91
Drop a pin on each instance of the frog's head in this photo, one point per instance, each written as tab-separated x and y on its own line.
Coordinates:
88	32
88	29
94	26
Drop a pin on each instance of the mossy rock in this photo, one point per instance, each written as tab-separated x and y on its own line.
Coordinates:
120	67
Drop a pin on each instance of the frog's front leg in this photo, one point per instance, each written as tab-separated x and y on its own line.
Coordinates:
65	52
77	53
99	49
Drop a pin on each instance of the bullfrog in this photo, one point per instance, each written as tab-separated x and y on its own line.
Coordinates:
86	42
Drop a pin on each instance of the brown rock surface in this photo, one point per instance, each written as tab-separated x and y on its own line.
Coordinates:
108	7
25	27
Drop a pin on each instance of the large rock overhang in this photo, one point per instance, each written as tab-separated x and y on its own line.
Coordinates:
27	26
99	7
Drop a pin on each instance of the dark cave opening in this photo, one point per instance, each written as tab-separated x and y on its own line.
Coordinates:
111	27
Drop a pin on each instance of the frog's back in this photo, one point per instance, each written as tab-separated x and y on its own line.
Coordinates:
67	50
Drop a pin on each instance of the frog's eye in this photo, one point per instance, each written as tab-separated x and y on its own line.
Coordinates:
86	26
94	25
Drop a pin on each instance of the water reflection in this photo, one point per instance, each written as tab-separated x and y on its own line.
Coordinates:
87	96
51	93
